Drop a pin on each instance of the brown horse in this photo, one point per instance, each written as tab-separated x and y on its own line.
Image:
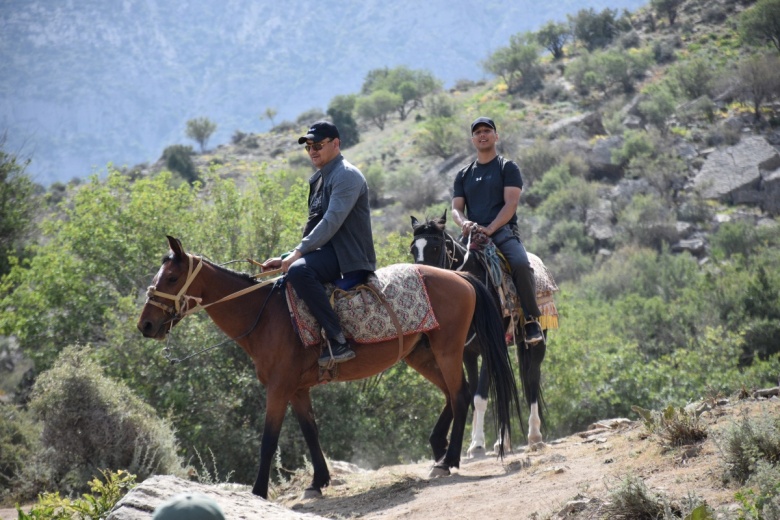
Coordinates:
256	316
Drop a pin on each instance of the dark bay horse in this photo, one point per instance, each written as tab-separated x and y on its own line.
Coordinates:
256	316
432	245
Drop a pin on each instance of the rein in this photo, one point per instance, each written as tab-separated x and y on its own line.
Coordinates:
182	301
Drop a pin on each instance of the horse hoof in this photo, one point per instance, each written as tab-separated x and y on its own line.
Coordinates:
536	446
439	471
309	493
477	452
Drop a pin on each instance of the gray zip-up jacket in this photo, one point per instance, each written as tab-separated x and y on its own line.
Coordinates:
346	217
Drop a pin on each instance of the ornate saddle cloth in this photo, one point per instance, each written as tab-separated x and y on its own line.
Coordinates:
363	316
498	268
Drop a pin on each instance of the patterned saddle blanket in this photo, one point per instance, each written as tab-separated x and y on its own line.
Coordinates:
498	269
362	313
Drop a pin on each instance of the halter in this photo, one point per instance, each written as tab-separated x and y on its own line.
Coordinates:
181	300
447	257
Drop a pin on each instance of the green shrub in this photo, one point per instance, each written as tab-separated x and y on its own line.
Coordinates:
674	426
764	503
90	421
19	435
91	506
745	444
631	500
178	158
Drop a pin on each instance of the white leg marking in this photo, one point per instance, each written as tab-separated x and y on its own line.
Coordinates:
534	426
478	426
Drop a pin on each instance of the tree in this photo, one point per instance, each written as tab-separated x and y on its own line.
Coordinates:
667	7
517	64
761	23
341	111
178	158
376	107
199	130
758	80
553	36
17	207
270	114
410	85
594	30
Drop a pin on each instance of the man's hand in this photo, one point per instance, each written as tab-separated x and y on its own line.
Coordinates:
272	263
467	227
288	261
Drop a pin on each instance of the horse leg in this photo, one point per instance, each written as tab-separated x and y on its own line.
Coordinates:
530	361
302	408
477	446
274	417
421	359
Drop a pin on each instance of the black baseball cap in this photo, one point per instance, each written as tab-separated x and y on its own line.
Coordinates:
318	131
482	121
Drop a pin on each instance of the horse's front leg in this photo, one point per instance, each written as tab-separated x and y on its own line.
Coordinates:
477	447
302	408
274	417
530	361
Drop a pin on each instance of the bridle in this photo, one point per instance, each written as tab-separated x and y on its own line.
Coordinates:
447	257
181	302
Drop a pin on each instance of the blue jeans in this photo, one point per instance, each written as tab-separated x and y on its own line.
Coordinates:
513	250
307	276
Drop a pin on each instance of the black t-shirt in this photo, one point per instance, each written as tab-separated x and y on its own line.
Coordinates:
482	185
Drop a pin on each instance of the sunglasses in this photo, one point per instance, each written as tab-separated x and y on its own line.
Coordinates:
317	146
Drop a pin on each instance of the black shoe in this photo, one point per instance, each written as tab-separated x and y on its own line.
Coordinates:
340	353
533	332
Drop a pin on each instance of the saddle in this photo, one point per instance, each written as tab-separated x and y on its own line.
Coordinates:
392	301
500	277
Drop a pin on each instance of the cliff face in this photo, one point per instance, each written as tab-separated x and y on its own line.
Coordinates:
86	83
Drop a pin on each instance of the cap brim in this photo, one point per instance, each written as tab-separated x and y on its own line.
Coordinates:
307	137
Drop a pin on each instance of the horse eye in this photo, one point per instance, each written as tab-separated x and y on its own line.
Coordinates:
173	279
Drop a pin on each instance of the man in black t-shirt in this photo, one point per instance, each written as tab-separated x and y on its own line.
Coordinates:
485	198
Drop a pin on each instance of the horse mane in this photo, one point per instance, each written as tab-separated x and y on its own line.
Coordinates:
430	226
170	257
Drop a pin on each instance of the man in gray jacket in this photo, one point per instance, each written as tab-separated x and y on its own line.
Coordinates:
337	244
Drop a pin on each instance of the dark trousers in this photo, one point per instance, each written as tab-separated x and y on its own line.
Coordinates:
306	275
513	250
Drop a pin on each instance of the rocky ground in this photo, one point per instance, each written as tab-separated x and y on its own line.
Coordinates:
570	477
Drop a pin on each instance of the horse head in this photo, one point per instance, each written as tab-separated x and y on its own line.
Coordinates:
167	299
431	245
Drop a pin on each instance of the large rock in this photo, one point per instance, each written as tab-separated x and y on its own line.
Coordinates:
141	501
581	126
600	161
746	173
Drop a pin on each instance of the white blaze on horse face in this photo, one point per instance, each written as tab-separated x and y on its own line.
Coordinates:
420	244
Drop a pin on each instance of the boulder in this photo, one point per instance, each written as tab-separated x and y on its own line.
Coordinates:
600	161
578	127
235	501
745	173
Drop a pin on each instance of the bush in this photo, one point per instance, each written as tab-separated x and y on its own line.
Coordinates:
178	158
674	426
18	443
764	503
744	445
631	500
90	421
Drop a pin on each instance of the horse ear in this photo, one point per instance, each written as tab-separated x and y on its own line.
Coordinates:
444	216
415	222
176	247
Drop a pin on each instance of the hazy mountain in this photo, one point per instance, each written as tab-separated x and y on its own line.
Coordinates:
87	82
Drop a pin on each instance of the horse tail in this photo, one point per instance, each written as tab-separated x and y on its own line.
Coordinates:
489	327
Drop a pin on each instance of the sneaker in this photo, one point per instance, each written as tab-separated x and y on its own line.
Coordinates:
338	352
533	332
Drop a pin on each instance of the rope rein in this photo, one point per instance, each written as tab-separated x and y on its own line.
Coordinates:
183	301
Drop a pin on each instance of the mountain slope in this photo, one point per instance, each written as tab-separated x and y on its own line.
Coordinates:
87	83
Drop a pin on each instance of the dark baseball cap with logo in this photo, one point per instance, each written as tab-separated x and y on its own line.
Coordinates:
318	131
482	121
